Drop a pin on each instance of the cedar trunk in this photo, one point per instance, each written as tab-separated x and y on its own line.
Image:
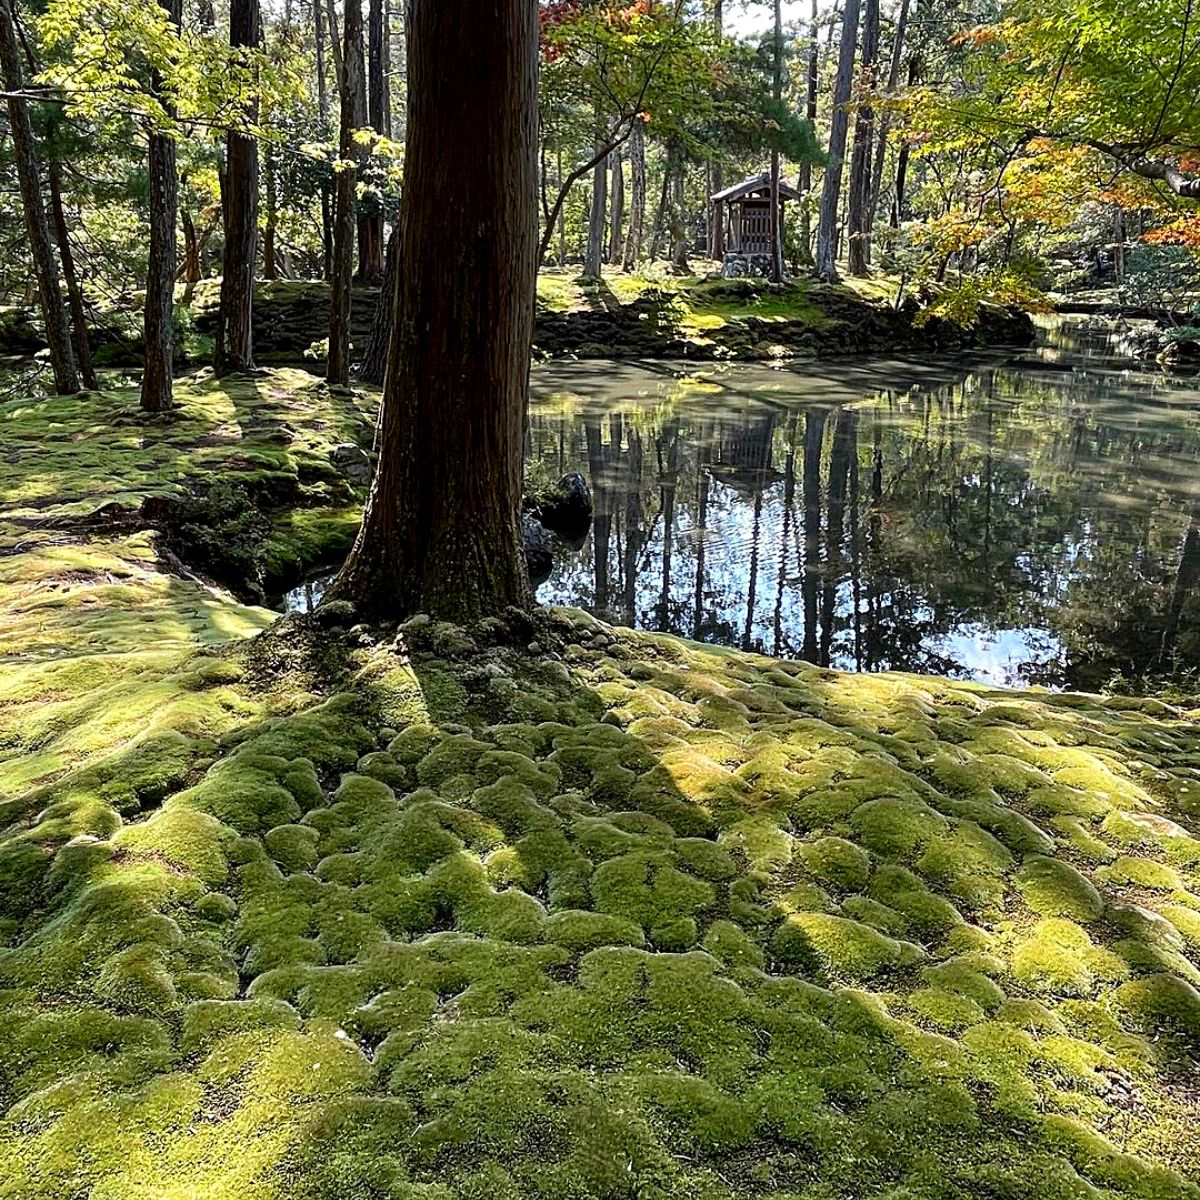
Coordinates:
158	378
442	528
831	186
62	235
345	186
374	362
239	210
54	313
597	214
858	207
637	196
616	215
370	215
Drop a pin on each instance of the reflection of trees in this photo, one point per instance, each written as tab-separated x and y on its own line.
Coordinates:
1013	500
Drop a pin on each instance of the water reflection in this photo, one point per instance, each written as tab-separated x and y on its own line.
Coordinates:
1034	519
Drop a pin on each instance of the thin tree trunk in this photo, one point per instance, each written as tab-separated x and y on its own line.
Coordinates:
319	39
637	197
374	362
810	112
335	47
616	214
914	73
54	314
777	94
679	239
660	218
442	528
885	119
158	377
831	189
716	216
597	213
337	367
370	214
239	205
270	230
62	235
858	219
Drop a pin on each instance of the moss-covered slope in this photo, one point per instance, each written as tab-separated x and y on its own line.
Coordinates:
555	910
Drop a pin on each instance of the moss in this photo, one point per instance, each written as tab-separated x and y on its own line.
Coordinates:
1060	958
928	916
837	863
838	946
1132	870
897	828
1163	1004
646	889
1055	889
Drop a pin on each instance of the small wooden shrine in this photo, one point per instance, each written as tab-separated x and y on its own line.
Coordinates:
742	214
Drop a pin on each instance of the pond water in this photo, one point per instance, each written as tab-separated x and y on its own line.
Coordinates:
1017	519
1025	518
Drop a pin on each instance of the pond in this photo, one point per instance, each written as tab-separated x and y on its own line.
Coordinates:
1013	519
1022	519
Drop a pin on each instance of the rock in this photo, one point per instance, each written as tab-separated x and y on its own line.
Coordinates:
1183	355
334	614
566	508
353	462
540	546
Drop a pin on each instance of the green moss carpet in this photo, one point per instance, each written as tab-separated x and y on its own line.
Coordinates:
545	909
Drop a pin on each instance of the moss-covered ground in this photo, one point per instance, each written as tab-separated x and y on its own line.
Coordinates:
547	909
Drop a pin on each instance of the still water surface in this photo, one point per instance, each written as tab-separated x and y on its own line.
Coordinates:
1018	519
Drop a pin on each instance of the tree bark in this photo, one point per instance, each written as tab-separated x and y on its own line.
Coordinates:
370	214
858	207
831	188
716	179
239	208
319	39
637	197
54	313
616	213
679	239
270	224
597	213
62	235
777	94
442	528
375	355
885	120
158	377
810	112
337	368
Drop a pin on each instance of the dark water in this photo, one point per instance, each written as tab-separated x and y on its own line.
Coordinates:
1021	519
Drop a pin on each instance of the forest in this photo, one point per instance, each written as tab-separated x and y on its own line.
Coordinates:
600	600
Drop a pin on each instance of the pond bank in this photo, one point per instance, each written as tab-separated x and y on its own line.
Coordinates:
546	907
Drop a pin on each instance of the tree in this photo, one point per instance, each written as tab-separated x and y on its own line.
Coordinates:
158	327
239	208
777	97
858	205
831	187
337	369
441	532
54	314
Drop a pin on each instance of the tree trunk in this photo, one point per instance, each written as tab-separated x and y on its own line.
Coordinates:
664	201
716	214
374	362
810	111
885	120
831	188
62	235
777	94
637	196
442	528
616	215
239	207
679	238
270	225
597	213
158	377
858	218
319	39
337	368
370	214
54	314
